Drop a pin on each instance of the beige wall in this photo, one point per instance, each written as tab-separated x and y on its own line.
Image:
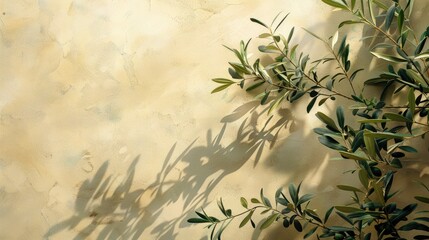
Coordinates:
108	130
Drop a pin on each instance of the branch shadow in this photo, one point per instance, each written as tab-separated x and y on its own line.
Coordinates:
109	208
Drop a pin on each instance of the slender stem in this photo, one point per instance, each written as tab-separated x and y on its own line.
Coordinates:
305	74
341	66
373	25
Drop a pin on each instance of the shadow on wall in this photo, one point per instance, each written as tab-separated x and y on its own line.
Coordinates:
105	207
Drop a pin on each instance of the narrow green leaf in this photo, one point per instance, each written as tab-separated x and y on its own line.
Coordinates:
340	117
264	35
336	4
290	35
331	143
313	214
243	202
400	21
254	200
254	86
411	102
327	120
346	209
297	225
305	198
387	135
422	199
223	81
265	98
414	226
246	219
396	117
363	177
280	23
293	193
334	39
373	120
327	214
371	12
267	222
388	58
408	149
353	156
416	76
348	22
311	232
349	188
369	143
311	104
197	220
220	88
422	55
389	16
258	22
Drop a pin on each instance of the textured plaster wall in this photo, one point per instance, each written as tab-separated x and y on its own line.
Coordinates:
108	130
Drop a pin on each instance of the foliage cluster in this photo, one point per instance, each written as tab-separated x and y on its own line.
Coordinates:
380	135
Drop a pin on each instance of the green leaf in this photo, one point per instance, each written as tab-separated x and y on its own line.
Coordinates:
341	229
307	235
246	219
388	58
331	143
349	188
313	214
254	86
327	120
290	35
327	214
254	200
396	117
340	117
197	220
387	135
265	98
346	209
363	178
336	4
371	12
416	76
220	88
243	202
258	22
280	23
297	225
222	81
373	120
305	198
353	156
400	21
311	104
334	39
422	55
389	16
293	193
414	226
422	199
269	221
348	22
411	102
408	149
369	143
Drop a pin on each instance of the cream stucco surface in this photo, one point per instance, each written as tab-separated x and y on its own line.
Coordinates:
108	129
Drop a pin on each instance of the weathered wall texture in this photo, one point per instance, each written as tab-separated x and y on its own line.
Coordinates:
107	127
